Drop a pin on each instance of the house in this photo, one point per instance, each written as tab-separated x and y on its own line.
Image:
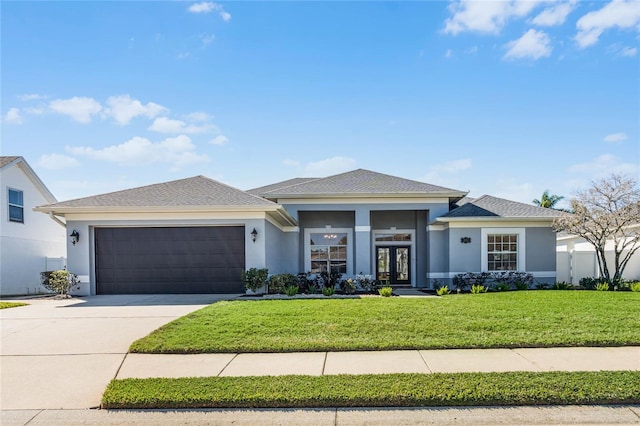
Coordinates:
27	238
196	235
576	259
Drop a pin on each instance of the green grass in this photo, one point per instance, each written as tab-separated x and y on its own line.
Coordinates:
6	305
452	389
511	319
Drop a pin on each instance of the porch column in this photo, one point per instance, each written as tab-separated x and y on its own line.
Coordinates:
363	242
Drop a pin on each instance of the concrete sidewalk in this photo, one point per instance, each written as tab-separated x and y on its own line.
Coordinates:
383	362
547	415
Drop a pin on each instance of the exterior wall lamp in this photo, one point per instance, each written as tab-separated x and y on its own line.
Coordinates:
254	234
75	237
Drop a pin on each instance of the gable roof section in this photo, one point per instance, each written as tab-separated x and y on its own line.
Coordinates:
20	162
197	192
487	207
359	183
263	190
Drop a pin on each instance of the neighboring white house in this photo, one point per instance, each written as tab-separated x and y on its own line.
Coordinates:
27	238
576	259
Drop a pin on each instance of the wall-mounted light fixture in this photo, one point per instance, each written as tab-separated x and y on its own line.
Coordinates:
465	240
254	234
75	237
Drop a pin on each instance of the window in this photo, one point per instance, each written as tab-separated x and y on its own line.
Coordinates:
328	252
502	252
16	206
398	236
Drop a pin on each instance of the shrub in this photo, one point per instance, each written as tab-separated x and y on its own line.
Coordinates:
542	286
635	286
477	289
278	283
561	285
521	286
502	287
590	283
348	286
291	290
602	286
59	281
385	291
442	291
254	278
328	291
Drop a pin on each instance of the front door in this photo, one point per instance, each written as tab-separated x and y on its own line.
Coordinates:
393	264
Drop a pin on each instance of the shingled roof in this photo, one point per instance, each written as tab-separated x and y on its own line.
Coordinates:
363	183
6	160
198	191
488	206
279	186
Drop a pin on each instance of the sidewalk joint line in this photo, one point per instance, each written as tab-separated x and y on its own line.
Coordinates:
514	350
227	364
34	416
335	418
324	363
425	361
120	366
634	412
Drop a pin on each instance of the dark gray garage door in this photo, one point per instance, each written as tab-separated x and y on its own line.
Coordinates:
169	260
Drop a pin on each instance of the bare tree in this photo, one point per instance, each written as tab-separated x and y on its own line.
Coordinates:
609	210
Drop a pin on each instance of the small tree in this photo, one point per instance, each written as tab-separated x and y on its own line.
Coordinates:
59	281
548	201
609	210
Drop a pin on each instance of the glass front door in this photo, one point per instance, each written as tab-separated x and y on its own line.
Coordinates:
393	264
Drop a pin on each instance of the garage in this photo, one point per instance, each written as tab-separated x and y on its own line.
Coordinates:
170	260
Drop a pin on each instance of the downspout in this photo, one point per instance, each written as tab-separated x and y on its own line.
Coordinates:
58	221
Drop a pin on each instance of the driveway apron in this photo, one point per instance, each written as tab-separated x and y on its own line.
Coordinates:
61	354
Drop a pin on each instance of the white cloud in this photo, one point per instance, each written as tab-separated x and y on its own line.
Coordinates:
219	140
532	45
197	117
291	163
183	55
81	109
554	15
31	97
207	39
472	50
604	165
628	51
13	116
451	167
616	137
329	166
57	162
178	152
618	13
485	16
208	7
448	53
122	108
170	125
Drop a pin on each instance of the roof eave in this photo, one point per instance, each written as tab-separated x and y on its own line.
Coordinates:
154	209
444	194
496	218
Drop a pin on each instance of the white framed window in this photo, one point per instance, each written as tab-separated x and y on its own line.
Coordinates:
328	250
16	205
503	249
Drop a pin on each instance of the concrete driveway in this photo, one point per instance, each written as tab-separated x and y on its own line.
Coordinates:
61	354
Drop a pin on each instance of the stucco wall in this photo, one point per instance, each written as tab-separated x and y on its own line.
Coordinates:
281	250
464	257
24	246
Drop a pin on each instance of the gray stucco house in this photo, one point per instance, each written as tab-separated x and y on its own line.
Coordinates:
196	235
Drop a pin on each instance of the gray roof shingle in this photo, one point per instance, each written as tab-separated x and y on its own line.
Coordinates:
488	206
6	160
195	191
361	182
279	186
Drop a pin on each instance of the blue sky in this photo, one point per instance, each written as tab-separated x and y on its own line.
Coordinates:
502	97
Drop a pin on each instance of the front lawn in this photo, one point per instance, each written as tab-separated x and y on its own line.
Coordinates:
6	305
491	320
397	390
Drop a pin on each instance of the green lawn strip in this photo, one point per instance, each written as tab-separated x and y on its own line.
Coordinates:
6	305
396	390
492	320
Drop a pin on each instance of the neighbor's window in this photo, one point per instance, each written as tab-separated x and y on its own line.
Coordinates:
502	250
329	252
16	206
